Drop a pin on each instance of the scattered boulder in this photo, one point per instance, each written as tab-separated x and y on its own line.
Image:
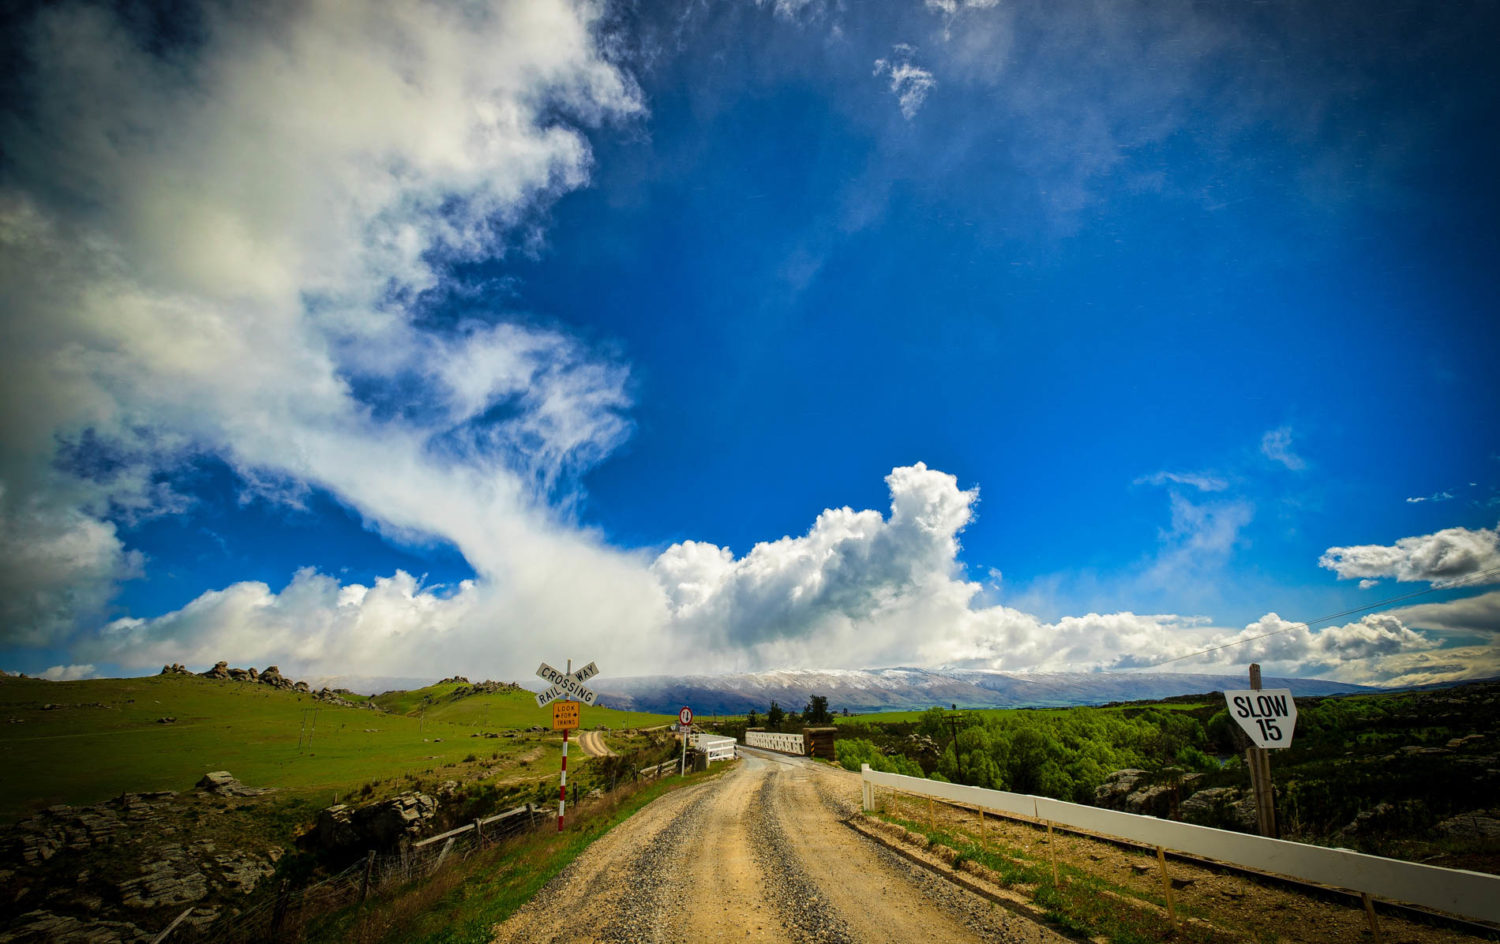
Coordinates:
222	783
166	720
272	676
1475	824
1366	821
219	671
176	668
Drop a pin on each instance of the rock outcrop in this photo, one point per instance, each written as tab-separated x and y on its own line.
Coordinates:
1136	791
222	783
377	825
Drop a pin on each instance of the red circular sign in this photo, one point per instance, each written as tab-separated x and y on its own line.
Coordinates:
685	716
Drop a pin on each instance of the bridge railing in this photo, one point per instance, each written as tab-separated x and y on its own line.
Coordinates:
715	746
1456	891
775	741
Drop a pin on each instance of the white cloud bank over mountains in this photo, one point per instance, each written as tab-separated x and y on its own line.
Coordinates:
860	588
223	250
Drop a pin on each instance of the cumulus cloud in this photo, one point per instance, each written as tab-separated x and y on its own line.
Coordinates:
859	588
1445	558
1276	445
1476	614
909	83
226	248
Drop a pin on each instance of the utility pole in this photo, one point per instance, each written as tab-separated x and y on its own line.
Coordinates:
1258	760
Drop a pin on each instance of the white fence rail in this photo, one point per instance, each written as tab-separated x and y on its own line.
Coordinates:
772	741
1456	891
715	746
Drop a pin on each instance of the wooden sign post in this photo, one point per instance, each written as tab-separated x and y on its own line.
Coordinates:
1258	759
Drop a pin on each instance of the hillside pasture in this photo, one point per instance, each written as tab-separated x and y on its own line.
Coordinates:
82	742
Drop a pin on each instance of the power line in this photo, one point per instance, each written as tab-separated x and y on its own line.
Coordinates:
1470	580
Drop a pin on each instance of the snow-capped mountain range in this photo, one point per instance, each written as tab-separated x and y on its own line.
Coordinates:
864	690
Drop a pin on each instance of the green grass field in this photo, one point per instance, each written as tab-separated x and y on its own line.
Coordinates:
503	710
104	738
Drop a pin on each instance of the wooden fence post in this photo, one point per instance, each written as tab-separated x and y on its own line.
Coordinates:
278	914
1370	916
364	888
178	920
1166	884
1052	848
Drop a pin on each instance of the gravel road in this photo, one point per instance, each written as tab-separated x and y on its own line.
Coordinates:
758	855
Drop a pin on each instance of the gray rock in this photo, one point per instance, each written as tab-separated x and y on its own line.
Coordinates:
222	783
1220	807
65	929
241	871
172	878
1475	824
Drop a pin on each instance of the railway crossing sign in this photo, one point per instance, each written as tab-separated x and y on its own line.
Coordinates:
1268	716
567	685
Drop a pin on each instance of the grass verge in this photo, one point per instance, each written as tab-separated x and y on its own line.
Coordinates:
1082	904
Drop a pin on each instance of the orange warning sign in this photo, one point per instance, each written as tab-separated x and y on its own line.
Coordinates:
564	715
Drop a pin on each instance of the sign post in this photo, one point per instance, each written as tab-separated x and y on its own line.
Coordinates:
684	724
1268	717
565	714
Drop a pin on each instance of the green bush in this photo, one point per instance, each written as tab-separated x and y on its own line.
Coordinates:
853	752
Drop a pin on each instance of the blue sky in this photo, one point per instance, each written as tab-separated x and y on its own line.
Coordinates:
744	335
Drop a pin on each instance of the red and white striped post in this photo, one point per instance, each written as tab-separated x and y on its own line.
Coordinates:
562	788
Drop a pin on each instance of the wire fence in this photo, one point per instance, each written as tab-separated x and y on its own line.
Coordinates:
285	913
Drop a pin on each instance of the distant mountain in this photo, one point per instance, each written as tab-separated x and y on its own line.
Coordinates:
905	689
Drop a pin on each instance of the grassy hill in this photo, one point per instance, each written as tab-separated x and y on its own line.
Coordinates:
502	710
82	742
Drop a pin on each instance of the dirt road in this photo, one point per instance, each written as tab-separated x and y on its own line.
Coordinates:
758	855
593	744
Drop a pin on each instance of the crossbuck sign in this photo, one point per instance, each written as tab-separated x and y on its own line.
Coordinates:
565	685
1269	716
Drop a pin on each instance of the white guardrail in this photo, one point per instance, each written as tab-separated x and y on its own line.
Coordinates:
715	746
772	741
1456	891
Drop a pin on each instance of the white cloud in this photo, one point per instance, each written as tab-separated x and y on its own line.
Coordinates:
225	251
1476	614
1445	558
909	83
794	9
68	673
860	588
1201	481
1276	445
1437	497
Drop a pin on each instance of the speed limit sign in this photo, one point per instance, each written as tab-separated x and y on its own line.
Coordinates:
685	717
